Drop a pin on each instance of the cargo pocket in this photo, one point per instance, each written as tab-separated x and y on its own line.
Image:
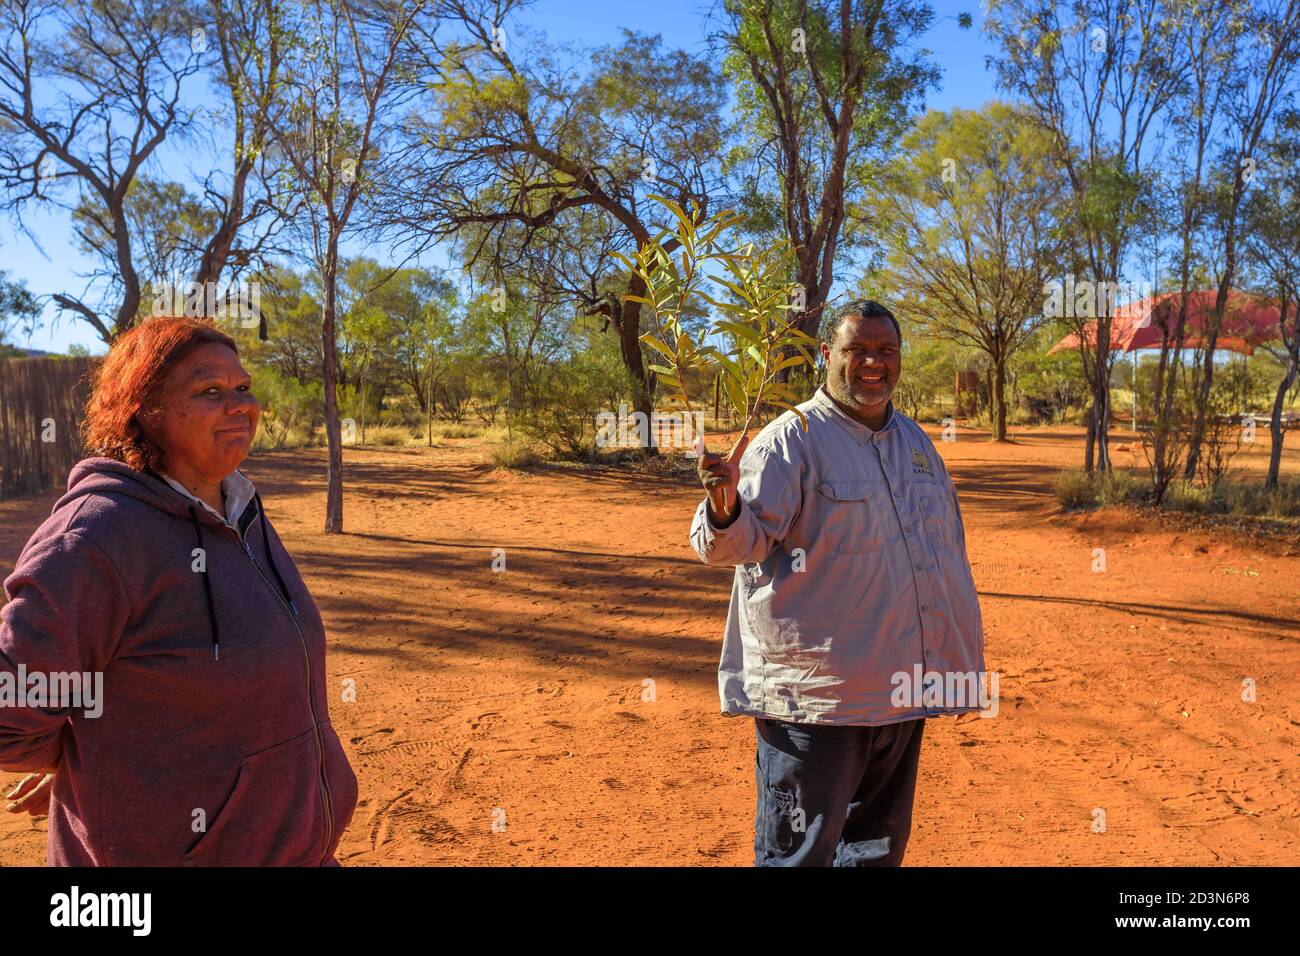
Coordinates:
851	512
274	816
780	823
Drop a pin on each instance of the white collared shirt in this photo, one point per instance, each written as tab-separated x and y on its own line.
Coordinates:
851	570
238	490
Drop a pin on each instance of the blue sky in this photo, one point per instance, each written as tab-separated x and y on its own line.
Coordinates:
682	23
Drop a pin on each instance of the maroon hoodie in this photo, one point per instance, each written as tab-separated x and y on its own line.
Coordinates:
214	744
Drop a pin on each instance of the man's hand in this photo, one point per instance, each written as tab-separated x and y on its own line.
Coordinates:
720	476
32	794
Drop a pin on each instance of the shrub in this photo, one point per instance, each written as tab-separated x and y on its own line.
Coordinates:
1187	496
566	398
1284	500
515	454
386	435
1074	489
1280	502
1120	488
290	410
456	430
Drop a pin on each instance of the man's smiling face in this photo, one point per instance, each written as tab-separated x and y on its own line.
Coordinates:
863	362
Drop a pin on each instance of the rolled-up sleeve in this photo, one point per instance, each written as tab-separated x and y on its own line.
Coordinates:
66	612
769	503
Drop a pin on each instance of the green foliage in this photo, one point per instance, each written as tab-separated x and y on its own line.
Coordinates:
566	397
890	71
166	223
18	308
1187	496
1074	488
291	410
1051	384
515	454
388	435
678	266
928	372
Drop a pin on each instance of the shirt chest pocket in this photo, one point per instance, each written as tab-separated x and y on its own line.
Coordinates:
936	510
853	516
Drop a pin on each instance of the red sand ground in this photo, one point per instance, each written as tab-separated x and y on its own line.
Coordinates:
521	691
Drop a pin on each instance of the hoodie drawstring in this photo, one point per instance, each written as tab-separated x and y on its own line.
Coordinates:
207	584
266	545
207	588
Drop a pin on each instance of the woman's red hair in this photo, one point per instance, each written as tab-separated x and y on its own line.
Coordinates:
125	383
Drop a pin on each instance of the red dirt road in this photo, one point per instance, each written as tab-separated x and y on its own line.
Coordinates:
517	696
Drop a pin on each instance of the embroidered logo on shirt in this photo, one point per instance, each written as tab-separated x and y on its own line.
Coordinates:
921	464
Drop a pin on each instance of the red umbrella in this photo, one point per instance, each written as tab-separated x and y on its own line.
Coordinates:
1247	321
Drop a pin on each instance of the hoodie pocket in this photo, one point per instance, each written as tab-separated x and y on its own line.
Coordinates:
275	814
342	781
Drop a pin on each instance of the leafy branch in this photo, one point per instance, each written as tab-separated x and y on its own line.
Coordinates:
758	317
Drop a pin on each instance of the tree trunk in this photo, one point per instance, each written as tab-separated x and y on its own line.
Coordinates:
1090	442
334	471
999	400
428	408
629	339
1103	423
1275	422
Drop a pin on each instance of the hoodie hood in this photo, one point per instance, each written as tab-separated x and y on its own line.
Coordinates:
92	476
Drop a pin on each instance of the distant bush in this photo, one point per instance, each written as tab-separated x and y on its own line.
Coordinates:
1121	488
456	430
290	411
1074	489
515	454
1188	496
566	398
1283	501
387	435
1238	498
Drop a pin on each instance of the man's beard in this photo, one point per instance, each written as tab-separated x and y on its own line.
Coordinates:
849	392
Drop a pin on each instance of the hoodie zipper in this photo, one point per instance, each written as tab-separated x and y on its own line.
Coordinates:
311	703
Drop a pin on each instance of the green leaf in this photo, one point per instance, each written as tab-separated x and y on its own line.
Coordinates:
676	209
736	395
745	333
651	340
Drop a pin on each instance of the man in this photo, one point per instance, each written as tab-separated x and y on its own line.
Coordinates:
851	586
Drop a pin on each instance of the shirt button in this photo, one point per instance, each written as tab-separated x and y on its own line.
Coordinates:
917	566
925	607
897	493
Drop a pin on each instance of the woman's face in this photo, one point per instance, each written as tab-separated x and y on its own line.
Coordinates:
207	415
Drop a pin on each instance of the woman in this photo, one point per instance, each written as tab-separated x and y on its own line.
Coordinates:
159	570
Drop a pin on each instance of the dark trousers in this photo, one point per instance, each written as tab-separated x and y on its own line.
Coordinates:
834	796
